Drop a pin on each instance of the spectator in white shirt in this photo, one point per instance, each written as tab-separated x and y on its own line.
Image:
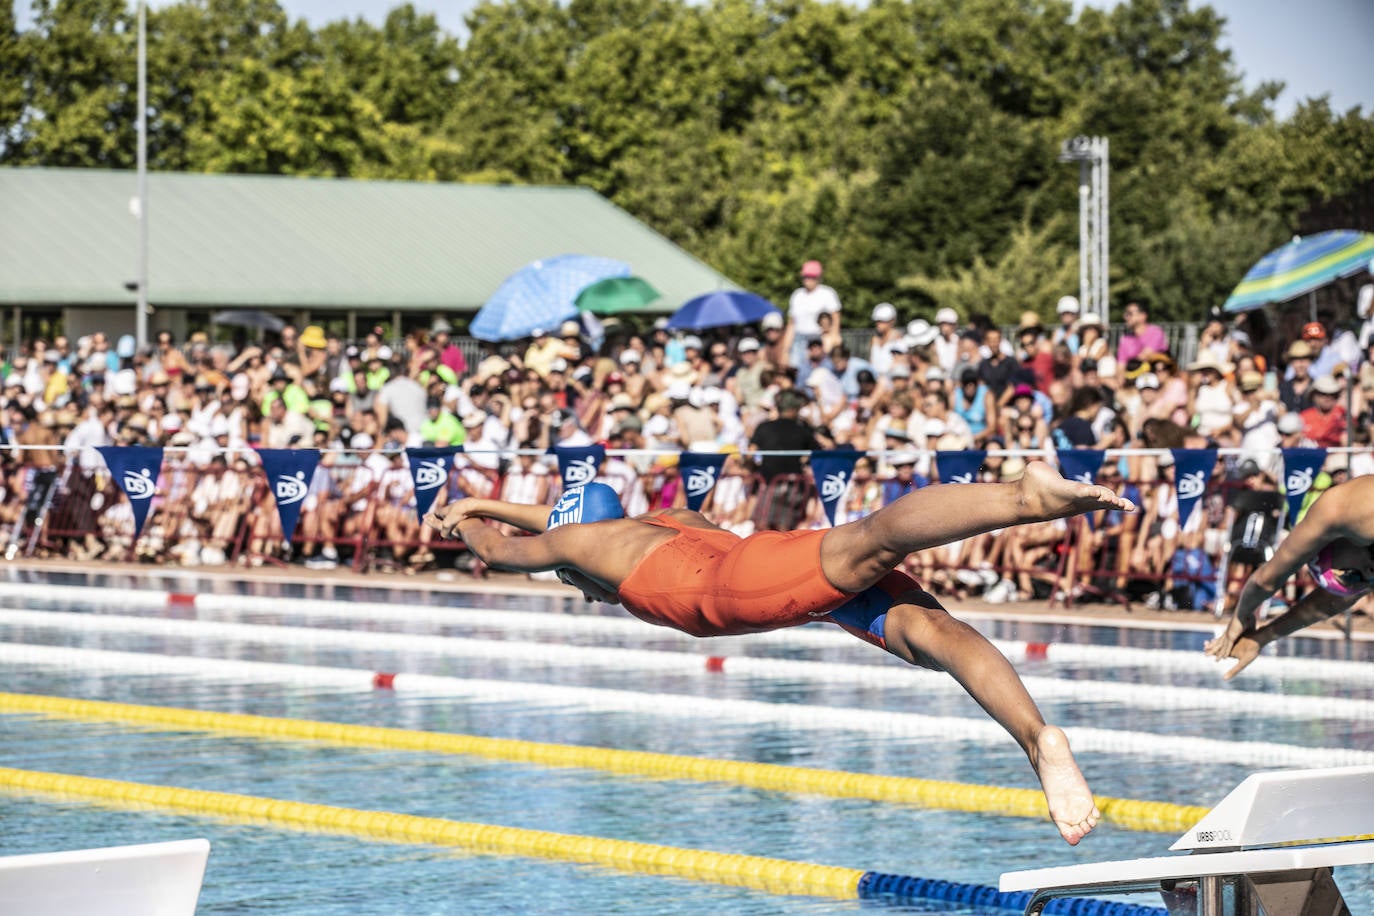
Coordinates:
804	308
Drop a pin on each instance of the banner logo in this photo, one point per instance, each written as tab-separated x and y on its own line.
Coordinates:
700	481
430	475
1191	486
290	490
1298	481
580	471
139	484
834	485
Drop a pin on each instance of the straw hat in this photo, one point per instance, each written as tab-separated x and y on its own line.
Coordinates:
1208	361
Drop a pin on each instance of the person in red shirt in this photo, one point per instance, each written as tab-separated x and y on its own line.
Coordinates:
1324	421
1037	353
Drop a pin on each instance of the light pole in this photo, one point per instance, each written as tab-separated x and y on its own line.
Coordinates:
141	316
1091	155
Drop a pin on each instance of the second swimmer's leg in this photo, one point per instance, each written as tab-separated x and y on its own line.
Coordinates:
919	631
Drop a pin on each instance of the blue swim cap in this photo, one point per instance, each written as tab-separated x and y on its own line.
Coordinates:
591	502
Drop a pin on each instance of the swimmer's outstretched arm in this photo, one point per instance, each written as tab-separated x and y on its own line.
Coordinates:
1314	607
445	519
1323	523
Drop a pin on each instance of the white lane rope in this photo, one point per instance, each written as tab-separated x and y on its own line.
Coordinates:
1147	696
526	624
749	712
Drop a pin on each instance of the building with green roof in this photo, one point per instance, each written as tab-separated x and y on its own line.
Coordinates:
340	253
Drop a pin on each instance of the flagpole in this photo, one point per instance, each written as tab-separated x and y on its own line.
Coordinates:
141	316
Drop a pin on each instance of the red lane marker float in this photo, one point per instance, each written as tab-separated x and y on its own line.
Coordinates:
183	599
715	663
383	681
1037	651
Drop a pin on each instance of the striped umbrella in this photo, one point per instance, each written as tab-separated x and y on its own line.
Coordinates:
1305	264
541	295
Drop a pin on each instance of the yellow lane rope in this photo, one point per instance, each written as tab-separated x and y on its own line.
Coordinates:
1161	817
777	876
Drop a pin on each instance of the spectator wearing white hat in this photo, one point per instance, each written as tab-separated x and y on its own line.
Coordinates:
1325	421
804	309
774	330
1067	332
745	384
885	334
946	339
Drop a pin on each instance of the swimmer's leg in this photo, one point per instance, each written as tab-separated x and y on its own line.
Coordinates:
856	555
918	630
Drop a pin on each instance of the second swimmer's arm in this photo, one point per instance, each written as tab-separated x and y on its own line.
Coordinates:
1316	606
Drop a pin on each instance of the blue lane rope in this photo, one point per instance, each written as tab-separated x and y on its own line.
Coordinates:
905	888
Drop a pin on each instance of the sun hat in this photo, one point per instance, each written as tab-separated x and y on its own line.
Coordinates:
946	315
1067	304
1326	385
1290	423
1030	321
1251	380
1299	349
628	356
771	320
884	311
748	345
313	337
1207	360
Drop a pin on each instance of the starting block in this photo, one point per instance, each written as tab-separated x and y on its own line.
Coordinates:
153	879
1267	849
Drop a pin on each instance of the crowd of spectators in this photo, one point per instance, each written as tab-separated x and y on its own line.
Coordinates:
787	385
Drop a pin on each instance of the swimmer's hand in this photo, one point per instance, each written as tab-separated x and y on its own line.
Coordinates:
446	519
1236	641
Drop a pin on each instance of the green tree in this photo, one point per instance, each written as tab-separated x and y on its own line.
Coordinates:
78	72
1030	275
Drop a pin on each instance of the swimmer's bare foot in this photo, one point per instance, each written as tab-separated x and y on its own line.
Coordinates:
1070	802
1045	494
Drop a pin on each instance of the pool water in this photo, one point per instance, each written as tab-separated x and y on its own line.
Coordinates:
263	869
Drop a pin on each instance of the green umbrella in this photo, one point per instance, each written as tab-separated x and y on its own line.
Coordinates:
616	294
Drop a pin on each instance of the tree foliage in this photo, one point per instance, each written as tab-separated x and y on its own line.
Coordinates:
909	144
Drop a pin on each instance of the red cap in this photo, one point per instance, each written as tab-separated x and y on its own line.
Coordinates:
811	269
1313	330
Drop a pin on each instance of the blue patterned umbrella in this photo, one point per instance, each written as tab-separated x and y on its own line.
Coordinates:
1305	264
723	307
540	295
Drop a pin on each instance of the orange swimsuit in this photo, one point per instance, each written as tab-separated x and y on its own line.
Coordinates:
712	582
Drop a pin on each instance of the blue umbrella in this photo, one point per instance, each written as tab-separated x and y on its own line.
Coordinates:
723	307
540	295
1302	266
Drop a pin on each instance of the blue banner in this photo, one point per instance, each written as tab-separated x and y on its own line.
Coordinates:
135	469
1081	464
959	466
289	472
831	470
1300	467
699	471
579	464
1192	471
429	469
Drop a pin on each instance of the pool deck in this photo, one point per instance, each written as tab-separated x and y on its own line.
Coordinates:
185	579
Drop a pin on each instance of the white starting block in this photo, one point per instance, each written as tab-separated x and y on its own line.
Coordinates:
156	879
1266	850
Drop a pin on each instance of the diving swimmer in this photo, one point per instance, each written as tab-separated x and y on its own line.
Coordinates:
674	568
1335	541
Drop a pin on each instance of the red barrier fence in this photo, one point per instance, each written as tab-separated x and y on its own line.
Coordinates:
361	513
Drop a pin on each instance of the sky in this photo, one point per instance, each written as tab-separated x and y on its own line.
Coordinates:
1316	47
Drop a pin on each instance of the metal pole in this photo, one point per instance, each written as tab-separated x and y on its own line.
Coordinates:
1085	295
1103	304
141	317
